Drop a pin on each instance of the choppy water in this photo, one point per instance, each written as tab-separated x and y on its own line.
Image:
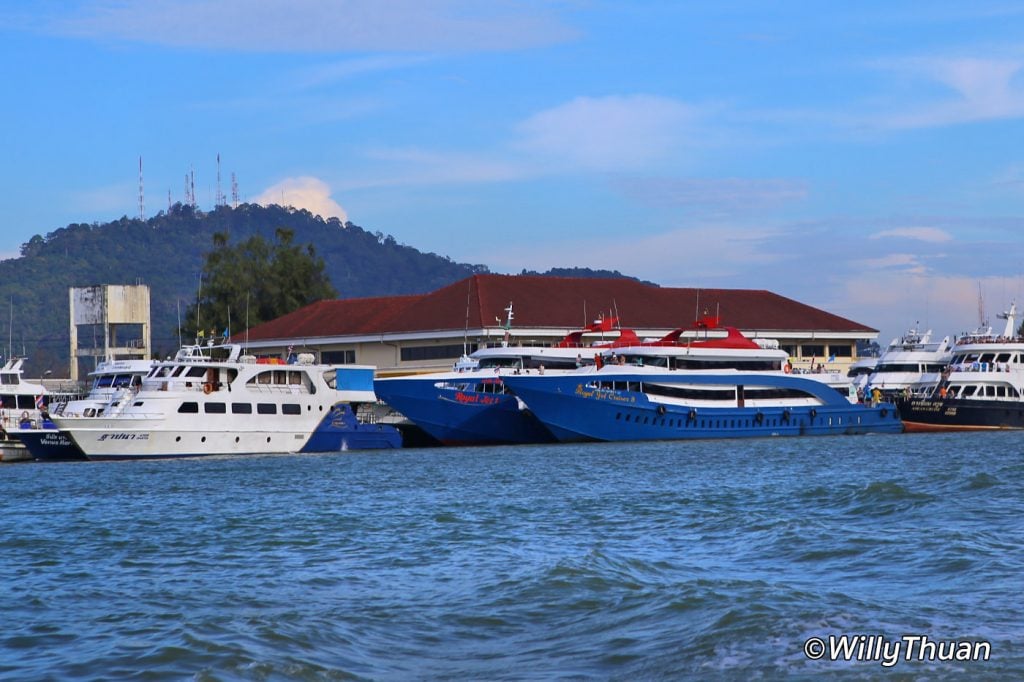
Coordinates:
713	559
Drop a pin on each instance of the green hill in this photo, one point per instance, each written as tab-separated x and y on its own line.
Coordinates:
167	252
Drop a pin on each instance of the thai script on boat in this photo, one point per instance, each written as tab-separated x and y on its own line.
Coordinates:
124	436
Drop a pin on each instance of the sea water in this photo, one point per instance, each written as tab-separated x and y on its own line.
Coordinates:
720	559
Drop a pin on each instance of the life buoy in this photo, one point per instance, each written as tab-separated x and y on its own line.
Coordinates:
207	388
661	410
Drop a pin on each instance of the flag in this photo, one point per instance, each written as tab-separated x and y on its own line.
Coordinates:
200	334
226	333
40	403
832	358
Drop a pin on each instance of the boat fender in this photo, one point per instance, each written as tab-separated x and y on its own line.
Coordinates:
759	417
661	410
693	415
207	388
814	413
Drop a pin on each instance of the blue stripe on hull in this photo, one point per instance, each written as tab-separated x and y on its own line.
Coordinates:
450	421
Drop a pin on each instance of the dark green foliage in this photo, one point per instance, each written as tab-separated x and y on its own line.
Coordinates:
253	282
586	272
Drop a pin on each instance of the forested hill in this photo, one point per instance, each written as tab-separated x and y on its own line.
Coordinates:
167	252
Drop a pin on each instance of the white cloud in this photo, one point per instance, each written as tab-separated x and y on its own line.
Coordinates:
924	234
615	133
320	25
984	89
731	194
305	192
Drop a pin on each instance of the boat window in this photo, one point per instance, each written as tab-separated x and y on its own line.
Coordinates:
294	378
987	357
103	381
990	391
266	408
189	408
26	402
215	408
8	378
241	408
291	408
180	370
969	391
195	372
1003	357
1001	391
514	362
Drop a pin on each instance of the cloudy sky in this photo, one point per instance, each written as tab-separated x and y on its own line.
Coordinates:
865	157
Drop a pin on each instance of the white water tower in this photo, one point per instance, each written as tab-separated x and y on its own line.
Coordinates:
120	313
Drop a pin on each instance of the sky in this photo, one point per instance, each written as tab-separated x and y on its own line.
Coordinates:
865	158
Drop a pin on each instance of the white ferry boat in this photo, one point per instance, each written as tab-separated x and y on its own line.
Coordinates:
982	388
20	406
911	366
213	400
112	382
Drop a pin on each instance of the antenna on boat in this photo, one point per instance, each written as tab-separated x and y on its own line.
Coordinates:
508	324
199	303
180	344
247	320
465	331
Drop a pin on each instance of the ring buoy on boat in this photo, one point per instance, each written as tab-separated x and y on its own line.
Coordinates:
207	388
661	410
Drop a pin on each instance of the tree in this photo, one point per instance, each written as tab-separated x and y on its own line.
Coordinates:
254	282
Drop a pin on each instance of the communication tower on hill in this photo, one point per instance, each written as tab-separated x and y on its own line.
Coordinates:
142	200
219	200
234	191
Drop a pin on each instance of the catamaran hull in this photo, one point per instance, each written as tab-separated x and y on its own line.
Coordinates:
462	418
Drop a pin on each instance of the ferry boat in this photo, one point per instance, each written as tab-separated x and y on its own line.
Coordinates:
113	381
674	401
912	365
469	404
21	404
981	388
213	400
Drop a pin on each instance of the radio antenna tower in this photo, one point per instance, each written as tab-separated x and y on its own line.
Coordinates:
219	201
188	199
192	186
169	204
142	200
234	190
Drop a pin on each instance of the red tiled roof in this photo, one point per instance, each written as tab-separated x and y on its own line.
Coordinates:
551	302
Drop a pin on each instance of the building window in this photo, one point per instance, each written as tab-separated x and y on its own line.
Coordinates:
431	352
840	351
338	357
810	350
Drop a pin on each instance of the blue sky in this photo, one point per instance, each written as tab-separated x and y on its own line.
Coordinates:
865	157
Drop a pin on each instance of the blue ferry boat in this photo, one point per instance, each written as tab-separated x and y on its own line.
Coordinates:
470	405
627	403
